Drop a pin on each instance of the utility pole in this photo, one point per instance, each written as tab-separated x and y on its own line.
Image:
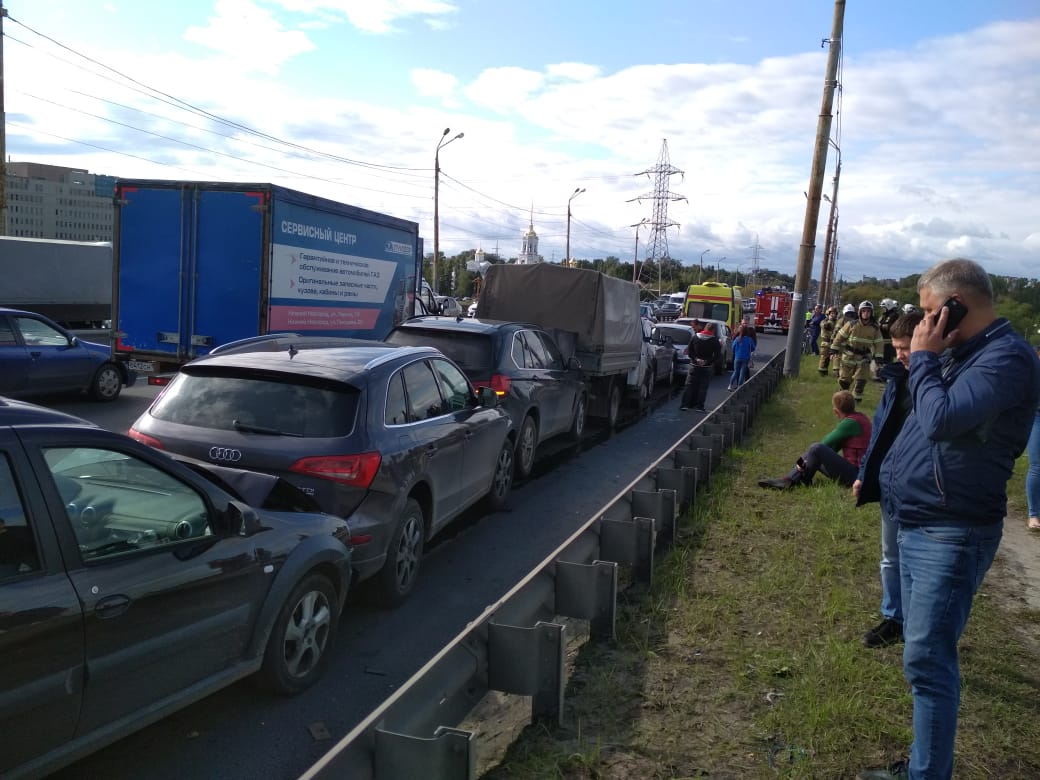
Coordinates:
3	131
832	224
803	273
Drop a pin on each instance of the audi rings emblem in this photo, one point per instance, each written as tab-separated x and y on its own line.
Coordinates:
226	454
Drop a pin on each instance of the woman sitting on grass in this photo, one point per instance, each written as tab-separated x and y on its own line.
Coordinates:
851	435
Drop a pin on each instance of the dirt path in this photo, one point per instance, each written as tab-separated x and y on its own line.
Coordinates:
1018	563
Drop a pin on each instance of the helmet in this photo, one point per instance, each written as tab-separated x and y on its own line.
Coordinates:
849	309
866	305
832	310
888	304
909	308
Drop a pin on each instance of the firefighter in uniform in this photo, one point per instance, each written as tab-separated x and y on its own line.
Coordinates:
889	314
827	330
848	314
857	342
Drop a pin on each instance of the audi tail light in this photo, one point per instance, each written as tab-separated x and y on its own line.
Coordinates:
499	383
354	470
144	438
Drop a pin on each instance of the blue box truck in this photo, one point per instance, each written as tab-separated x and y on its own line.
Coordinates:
199	264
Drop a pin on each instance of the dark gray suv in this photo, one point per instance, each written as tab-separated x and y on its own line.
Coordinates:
394	439
543	392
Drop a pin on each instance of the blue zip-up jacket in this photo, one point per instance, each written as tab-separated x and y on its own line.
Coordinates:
743	346
891	413
972	413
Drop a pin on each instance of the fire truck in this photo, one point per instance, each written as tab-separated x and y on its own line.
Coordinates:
773	309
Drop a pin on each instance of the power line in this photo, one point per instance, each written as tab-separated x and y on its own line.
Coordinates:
184	105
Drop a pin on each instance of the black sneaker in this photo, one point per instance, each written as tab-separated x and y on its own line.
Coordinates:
783	483
897	771
887	632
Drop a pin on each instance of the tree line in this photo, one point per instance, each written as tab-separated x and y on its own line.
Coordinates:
1017	298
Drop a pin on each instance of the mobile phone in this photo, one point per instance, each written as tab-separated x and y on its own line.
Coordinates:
956	312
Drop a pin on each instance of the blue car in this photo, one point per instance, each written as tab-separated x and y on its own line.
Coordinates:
38	356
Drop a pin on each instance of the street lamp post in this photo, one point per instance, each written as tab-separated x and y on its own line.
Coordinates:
637	272
700	276
436	202
576	193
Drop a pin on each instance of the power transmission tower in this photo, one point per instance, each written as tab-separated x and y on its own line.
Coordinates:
657	244
756	255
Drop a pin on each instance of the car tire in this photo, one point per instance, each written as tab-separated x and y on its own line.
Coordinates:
502	479
107	383
301	640
646	391
613	405
526	446
395	580
581	409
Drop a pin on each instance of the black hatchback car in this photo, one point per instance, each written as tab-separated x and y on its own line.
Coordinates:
543	392
132	585
393	439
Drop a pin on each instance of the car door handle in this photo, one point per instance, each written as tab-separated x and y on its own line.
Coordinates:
431	449
112	606
34	355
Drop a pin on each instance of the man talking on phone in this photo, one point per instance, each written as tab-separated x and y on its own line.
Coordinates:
975	387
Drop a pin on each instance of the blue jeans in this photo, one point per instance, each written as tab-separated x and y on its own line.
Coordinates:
942	567
891	603
739	375
1033	475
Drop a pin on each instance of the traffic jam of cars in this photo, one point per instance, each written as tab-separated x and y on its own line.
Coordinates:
219	539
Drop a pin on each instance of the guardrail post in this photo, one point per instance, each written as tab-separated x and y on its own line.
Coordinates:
699	460
723	429
660	505
713	442
529	662
630	542
589	592
449	755
682	480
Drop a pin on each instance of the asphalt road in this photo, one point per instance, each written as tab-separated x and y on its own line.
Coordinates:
242	732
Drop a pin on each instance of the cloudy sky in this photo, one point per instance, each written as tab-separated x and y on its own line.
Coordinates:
938	122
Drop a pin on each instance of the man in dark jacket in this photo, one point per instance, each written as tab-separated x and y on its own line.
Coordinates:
975	388
704	353
892	411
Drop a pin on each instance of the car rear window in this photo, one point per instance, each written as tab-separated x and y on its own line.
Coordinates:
471	351
288	405
677	335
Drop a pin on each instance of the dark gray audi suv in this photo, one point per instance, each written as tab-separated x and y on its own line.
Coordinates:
393	439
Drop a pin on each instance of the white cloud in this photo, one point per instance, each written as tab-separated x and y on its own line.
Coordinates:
435	84
378	16
240	30
503	89
572	71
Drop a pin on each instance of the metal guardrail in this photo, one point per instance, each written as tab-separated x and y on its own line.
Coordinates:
517	644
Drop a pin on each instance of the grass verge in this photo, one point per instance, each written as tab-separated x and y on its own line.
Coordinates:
744	660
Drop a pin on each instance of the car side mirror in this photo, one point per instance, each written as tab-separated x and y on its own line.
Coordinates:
488	398
241	519
73	341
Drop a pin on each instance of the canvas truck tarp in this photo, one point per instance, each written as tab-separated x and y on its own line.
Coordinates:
602	310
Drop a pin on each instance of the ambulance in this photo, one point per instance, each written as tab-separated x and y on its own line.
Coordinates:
714	301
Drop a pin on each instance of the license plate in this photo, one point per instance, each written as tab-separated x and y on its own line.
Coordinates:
142	366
